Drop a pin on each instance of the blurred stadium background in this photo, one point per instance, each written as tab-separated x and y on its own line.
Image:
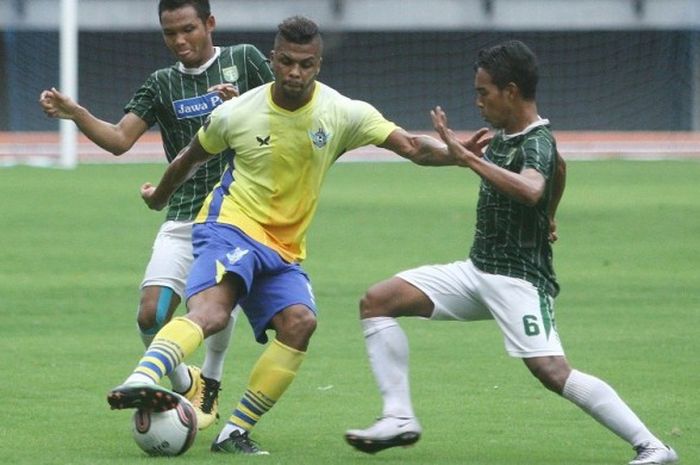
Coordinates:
619	78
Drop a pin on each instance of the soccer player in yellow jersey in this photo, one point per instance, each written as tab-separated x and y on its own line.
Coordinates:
177	98
250	234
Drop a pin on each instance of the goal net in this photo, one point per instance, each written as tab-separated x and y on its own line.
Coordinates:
606	92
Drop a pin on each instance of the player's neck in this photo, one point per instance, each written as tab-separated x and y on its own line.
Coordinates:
523	117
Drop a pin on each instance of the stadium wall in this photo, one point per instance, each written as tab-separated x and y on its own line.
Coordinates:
629	80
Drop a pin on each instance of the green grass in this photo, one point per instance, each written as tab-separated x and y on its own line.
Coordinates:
75	243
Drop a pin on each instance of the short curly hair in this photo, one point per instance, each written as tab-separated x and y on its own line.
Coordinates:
298	30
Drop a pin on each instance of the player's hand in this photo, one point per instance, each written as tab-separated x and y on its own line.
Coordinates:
57	105
477	142
226	90
148	192
456	148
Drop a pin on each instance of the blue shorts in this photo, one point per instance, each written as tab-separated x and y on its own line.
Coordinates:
271	284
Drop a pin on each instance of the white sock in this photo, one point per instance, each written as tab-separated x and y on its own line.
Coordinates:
387	348
601	402
180	377
217	346
139	378
227	430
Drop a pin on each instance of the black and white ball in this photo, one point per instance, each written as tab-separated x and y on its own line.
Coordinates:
167	433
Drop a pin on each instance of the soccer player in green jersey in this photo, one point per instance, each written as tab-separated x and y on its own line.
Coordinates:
508	276
250	235
179	99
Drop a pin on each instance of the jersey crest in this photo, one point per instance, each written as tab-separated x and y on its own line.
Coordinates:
320	138
230	74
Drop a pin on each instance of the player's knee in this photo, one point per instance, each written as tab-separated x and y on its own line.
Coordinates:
295	326
372	304
303	323
552	373
146	317
155	308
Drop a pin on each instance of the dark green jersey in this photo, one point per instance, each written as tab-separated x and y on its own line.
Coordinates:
177	99
511	238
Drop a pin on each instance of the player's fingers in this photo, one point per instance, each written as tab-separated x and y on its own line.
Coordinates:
484	142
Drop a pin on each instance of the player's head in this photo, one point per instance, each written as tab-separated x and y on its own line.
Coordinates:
506	76
296	58
187	26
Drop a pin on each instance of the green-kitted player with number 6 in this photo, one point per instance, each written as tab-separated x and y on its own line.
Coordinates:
508	276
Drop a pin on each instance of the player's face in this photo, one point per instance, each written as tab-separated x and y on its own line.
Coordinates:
187	36
295	67
493	103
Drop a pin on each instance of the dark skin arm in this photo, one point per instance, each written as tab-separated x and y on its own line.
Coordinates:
180	170
559	183
428	151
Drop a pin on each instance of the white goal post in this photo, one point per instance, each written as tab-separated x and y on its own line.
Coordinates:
69	80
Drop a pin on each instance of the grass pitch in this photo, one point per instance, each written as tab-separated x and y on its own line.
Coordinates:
75	243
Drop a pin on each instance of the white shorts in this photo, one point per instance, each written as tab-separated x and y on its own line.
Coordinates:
171	259
462	292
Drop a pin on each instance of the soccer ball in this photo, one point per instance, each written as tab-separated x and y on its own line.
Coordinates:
167	433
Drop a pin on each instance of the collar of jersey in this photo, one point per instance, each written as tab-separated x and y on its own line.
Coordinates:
540	122
201	69
279	109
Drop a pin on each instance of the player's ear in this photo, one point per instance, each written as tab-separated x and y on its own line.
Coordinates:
210	23
512	89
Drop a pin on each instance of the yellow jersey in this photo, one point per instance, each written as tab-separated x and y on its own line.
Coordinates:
280	159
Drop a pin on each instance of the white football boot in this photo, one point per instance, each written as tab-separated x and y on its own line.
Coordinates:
649	454
385	433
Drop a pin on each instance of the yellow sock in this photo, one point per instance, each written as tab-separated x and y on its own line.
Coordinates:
172	344
271	376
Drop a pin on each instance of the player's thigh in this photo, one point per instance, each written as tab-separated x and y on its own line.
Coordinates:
171	257
450	288
270	294
394	298
211	308
524	314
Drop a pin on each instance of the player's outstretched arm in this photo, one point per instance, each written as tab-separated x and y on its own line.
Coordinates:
420	149
526	187
115	138
180	170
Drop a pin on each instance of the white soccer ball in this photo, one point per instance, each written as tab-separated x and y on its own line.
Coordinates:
166	433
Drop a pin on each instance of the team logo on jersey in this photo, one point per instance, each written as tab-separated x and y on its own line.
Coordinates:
263	140
230	74
320	138
197	106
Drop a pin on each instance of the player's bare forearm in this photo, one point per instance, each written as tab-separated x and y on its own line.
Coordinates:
420	149
558	185
428	151
526	187
114	138
178	171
